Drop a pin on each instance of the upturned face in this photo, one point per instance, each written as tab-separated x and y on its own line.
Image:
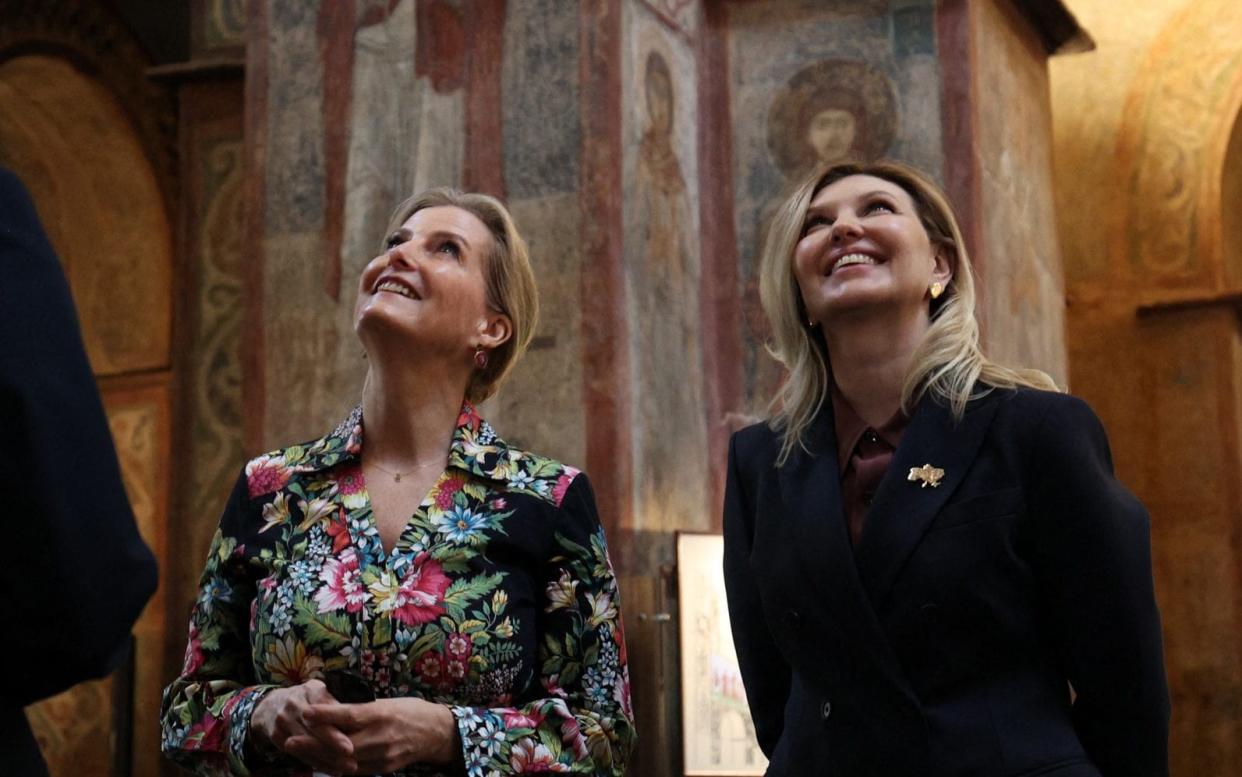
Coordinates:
429	289
864	248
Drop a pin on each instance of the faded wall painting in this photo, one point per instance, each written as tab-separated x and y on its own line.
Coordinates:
662	276
103	211
815	82
541	406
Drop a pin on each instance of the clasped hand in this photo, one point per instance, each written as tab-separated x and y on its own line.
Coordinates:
373	738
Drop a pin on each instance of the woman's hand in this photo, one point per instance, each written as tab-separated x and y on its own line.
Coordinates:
389	734
280	720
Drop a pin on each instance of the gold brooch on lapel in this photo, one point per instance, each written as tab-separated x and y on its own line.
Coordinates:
929	475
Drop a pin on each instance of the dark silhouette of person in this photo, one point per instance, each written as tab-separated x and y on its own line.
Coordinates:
76	574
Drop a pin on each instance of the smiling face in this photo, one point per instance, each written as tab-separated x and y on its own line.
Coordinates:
429	289
864	249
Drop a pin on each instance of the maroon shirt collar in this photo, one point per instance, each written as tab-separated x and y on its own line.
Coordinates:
850	428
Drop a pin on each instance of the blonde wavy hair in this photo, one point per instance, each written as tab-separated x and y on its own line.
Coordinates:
948	364
510	280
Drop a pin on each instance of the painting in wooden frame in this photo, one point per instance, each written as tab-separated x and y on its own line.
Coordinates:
718	735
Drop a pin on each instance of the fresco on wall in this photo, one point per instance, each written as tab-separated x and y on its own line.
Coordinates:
541	406
103	211
540	93
405	136
662	276
811	83
830	111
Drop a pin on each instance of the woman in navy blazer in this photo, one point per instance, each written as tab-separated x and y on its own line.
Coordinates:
960	587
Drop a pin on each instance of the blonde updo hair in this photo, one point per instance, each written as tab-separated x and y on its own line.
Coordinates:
948	364
507	272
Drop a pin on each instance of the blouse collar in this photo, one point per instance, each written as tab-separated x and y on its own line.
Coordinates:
475	447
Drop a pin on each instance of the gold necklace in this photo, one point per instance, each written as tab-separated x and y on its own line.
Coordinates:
396	476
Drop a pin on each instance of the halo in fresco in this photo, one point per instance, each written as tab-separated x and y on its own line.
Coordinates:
831	110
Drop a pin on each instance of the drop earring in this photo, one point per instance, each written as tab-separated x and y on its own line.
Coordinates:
480	358
937	289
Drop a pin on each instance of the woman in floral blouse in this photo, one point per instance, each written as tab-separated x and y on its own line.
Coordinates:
463	582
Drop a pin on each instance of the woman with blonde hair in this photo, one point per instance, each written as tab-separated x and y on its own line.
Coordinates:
409	593
931	569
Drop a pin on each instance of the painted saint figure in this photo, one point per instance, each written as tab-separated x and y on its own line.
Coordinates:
668	358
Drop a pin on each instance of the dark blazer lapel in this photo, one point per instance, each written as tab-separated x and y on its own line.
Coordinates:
811	491
903	509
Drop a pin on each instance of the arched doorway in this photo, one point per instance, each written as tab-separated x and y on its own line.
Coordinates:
65	133
1149	186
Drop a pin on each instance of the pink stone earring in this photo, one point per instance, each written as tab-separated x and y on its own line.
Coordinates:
480	358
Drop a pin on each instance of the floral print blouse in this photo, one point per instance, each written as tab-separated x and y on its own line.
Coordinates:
498	600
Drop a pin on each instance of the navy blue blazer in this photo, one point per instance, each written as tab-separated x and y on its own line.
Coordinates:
75	574
946	643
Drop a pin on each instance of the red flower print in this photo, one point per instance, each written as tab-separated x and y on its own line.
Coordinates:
469	417
455	670
338	530
444	494
349	480
342	584
429	667
266	475
424	585
459	646
207	734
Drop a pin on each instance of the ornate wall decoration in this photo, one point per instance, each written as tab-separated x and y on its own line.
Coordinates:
89	34
102	210
74	730
1175	126
139	415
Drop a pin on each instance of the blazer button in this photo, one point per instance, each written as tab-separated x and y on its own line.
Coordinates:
792	619
825	711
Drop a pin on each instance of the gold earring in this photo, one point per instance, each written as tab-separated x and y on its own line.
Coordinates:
937	289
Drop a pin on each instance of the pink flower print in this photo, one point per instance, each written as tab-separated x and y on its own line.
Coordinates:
207	734
516	719
459	646
446	490
499	503
424	585
193	653
562	485
266	475
571	735
455	670
530	756
430	667
342	584
351	485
